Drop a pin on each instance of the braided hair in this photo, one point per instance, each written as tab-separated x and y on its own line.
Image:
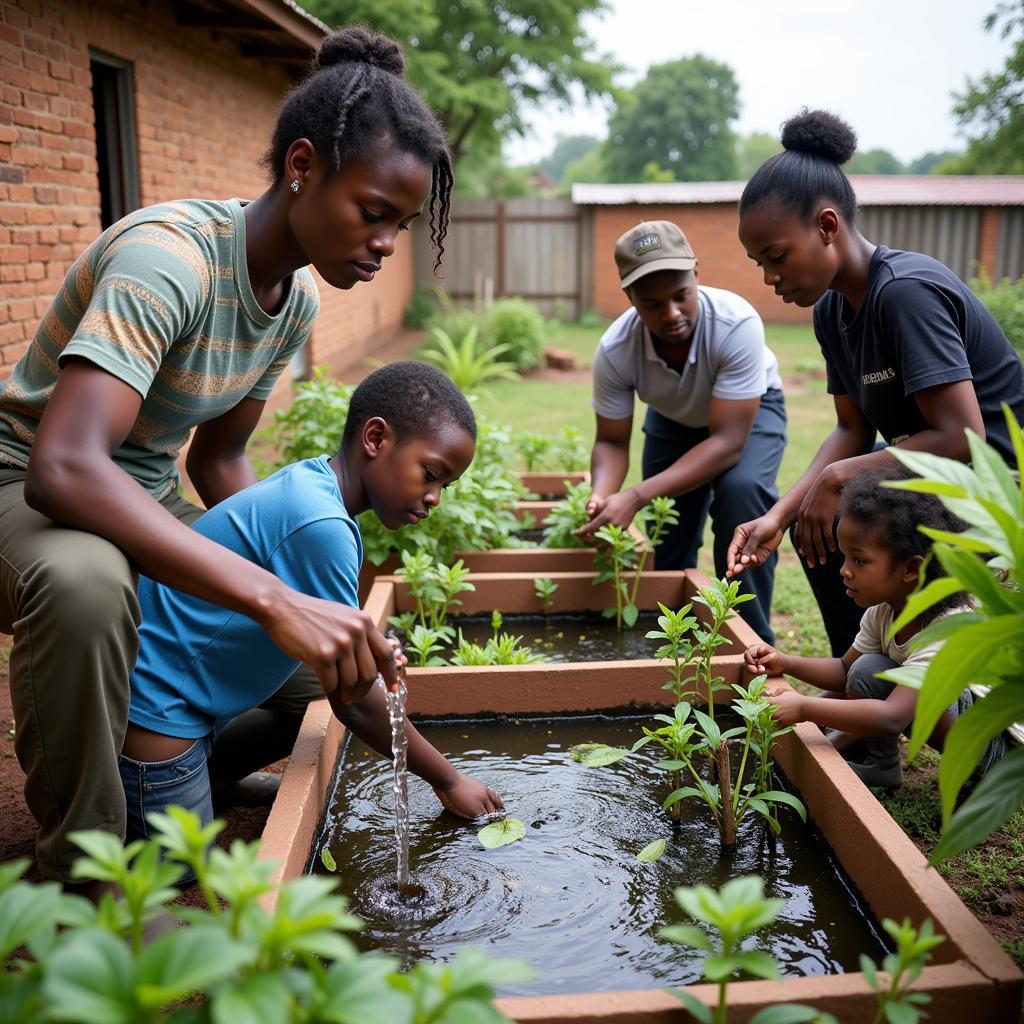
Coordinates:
355	95
892	516
807	172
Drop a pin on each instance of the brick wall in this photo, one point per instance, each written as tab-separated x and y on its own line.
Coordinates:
204	115
988	240
722	262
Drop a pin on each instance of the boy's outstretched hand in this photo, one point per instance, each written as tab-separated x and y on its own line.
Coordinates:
764	658
467	798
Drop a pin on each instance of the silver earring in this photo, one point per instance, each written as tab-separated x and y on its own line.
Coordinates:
296	185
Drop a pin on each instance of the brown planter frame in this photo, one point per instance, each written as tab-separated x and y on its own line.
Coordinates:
538	561
970	978
553	483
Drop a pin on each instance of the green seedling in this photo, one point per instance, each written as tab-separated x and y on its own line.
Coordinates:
674	629
730	916
502	649
533	447
656	518
913	951
424	646
567	517
615	558
501	833
545	588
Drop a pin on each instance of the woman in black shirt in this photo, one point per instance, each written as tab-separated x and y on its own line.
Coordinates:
911	352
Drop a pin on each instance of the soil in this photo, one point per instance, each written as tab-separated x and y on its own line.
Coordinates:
18	827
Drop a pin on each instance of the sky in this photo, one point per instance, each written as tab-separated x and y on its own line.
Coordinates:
887	66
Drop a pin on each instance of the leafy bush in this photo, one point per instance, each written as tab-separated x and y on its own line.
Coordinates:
469	362
235	961
313	424
1005	301
516	326
421	308
983	645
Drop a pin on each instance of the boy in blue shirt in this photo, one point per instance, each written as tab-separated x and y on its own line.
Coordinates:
409	432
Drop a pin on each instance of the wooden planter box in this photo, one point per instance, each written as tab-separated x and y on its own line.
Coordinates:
537	561
971	977
553	484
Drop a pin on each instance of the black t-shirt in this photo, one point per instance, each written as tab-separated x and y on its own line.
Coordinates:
919	326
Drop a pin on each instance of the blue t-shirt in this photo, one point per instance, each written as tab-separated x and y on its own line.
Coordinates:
199	663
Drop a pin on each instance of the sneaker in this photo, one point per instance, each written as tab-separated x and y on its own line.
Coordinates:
878	776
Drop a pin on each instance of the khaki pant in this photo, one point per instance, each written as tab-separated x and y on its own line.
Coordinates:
69	599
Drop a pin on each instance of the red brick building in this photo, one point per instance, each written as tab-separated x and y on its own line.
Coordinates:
969	223
109	105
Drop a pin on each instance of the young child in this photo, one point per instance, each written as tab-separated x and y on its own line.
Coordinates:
883	553
409	433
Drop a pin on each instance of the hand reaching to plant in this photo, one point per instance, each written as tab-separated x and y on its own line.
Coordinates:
763	658
752	544
814	535
788	703
618	509
465	797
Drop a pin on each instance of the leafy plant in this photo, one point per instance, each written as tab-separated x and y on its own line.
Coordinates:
545	588
567	516
533	447
733	914
1005	301
469	364
516	327
435	588
616	558
421	307
425	645
896	1004
983	645
683	738
313	424
234	961
500	649
656	518
569	450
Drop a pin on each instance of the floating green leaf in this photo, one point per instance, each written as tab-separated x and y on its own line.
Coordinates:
327	859
652	851
597	755
501	833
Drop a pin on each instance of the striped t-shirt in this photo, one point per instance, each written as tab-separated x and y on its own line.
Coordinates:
162	300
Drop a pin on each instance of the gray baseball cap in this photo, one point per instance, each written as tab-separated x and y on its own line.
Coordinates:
651	246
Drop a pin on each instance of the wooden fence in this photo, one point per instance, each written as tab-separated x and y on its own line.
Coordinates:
540	249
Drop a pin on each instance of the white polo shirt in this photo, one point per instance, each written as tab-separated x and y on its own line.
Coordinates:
728	359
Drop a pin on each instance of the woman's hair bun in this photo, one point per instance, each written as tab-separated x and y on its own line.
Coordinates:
358	45
821	134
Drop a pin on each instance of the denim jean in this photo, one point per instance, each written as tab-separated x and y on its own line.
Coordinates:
181	781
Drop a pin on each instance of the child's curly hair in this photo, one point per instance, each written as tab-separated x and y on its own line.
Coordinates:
892	516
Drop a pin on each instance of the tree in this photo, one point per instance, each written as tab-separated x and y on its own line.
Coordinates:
653	173
931	163
678	116
479	62
567	149
484	172
589	168
990	110
874	161
753	149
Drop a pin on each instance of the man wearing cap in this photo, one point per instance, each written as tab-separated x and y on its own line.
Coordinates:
715	426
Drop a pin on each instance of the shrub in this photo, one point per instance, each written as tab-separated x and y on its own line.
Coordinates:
421	308
235	961
518	325
1005	301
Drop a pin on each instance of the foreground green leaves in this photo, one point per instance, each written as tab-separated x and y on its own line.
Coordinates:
235	962
983	645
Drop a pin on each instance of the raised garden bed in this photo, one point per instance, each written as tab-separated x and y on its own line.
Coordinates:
551	486
970	976
540	561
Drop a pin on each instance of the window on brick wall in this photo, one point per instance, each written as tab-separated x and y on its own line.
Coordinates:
113	103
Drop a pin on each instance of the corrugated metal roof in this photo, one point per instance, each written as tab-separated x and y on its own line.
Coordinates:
871	190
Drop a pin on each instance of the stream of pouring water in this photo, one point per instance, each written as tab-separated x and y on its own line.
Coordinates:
399	749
